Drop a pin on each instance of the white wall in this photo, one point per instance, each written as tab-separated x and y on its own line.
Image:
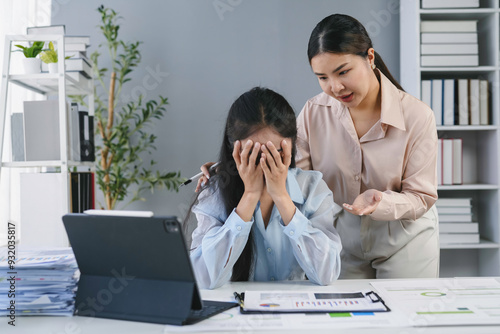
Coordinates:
212	56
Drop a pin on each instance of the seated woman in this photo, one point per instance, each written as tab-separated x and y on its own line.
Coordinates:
259	217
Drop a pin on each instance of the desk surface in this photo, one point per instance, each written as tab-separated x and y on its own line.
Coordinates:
82	325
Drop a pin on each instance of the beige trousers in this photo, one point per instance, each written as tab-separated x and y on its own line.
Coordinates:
389	249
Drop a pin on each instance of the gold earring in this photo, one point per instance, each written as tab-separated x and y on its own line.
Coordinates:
374	66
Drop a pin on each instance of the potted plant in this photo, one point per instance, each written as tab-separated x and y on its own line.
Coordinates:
30	62
122	126
49	57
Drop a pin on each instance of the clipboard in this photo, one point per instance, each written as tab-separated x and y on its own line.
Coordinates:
252	302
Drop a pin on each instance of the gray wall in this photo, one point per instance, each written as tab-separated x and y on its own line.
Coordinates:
208	57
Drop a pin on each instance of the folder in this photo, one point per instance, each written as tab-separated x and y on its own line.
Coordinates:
309	302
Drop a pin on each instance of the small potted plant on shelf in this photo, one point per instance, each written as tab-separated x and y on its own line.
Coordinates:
49	57
31	62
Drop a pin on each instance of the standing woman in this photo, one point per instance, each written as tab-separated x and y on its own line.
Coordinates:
376	147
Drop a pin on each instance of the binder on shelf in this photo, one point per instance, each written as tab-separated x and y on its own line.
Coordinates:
437	100
448	101
484	109
463	102
440	162
447	161
87	138
17	130
426	87
74	132
82	191
41	125
474	103
457	161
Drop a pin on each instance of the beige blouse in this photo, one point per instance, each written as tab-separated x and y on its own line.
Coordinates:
396	156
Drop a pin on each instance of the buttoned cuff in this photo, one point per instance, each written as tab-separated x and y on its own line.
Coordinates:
238	225
296	226
384	210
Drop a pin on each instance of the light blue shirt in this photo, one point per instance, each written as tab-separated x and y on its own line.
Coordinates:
308	245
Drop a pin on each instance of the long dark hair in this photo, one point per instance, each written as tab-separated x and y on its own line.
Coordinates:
254	110
339	33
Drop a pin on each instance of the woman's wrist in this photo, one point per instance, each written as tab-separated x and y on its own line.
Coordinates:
247	205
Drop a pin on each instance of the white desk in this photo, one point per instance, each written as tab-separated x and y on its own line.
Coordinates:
82	325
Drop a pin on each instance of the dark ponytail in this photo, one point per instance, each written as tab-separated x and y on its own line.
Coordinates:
340	33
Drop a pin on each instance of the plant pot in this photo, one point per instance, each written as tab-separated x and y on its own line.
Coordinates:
31	65
53	67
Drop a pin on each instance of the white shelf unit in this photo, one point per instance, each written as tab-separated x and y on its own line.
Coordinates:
481	143
59	84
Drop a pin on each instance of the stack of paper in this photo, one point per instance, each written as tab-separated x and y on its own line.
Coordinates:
38	282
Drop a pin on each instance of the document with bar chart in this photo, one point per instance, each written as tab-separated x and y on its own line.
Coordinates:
286	301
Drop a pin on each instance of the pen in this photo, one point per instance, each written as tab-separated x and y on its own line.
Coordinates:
239	298
200	174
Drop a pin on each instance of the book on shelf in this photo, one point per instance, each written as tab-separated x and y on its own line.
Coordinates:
425	94
447	161
47	30
17	132
463	102
484	96
449	49
448	101
457	163
449	60
41	130
82	191
75	47
474	103
77	40
76	54
448	26
434	4
86	136
450	161
74	65
437	100
459	210
456	218
459	238
453	202
458	101
440	162
74	132
448	38
78	77
445	227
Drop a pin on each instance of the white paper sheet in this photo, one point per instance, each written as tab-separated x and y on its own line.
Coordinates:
459	301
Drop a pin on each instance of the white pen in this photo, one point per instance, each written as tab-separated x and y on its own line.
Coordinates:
200	174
